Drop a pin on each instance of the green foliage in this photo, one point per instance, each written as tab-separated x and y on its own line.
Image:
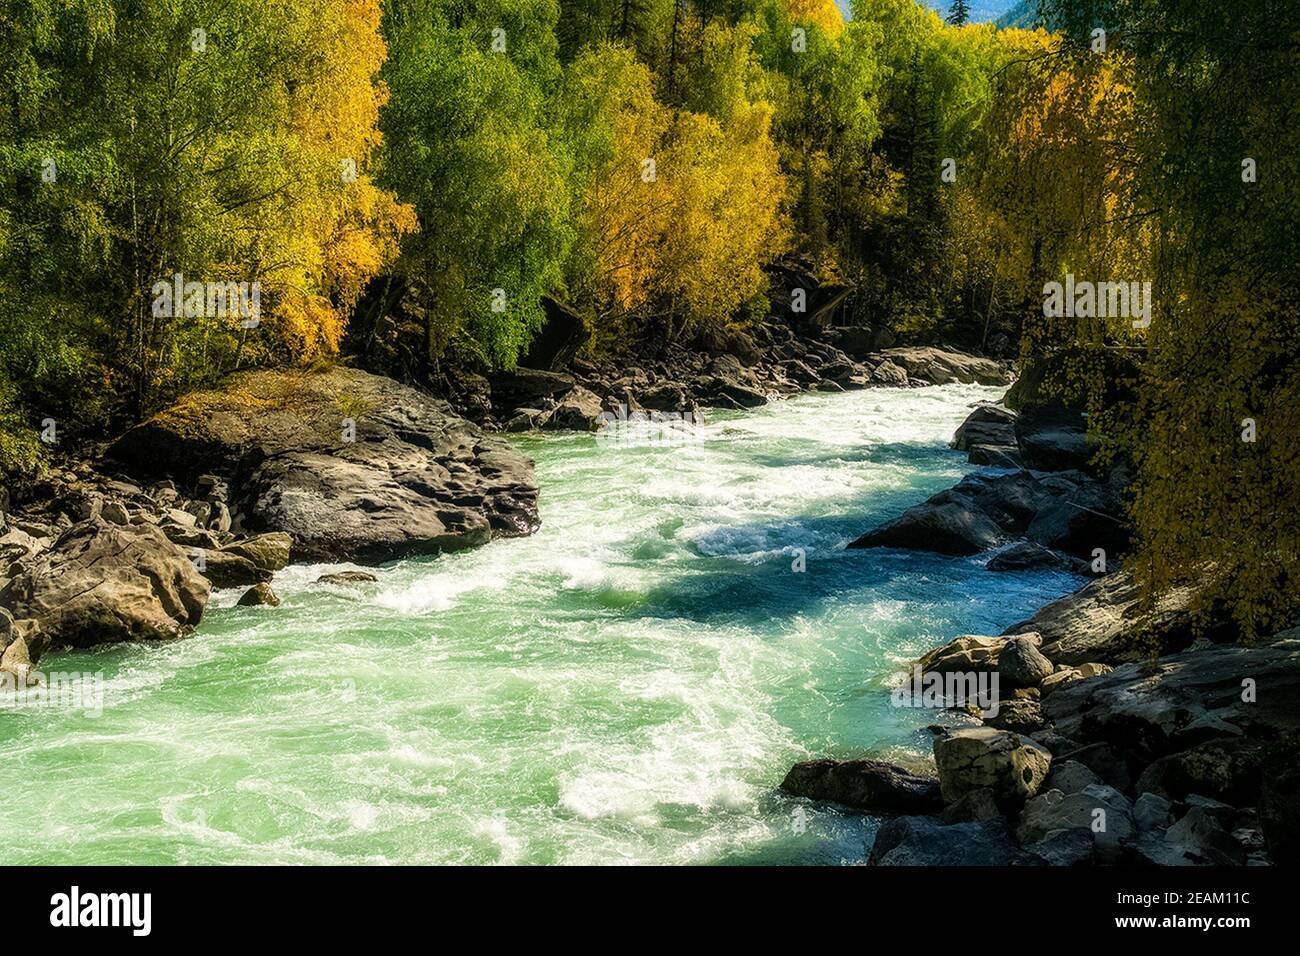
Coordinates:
467	144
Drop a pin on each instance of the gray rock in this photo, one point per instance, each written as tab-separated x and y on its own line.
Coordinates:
1195	840
103	583
1070	776
1228	769
220	521
1151	812
972	807
268	552
1025	556
1097	809
228	570
259	595
956	526
579	410
988	424
116	512
974	758
1104	621
347	577
1220	811
940	367
1185	700
1052	437
416	479
889	374
1072	847
868	785
1020	716
969	653
995	456
528	387
1021	664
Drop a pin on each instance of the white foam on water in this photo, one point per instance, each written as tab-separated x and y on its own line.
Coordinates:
593	693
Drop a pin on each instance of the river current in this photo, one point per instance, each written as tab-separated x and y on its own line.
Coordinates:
628	685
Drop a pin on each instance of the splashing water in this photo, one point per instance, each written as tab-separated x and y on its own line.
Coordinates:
628	685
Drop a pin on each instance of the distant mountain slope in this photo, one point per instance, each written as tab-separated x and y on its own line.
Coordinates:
981	11
1024	15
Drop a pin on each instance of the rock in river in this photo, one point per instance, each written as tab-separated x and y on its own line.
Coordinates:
864	785
352	466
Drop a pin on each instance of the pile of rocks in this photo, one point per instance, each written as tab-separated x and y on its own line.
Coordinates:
222	489
551	389
1193	759
89	559
1054	510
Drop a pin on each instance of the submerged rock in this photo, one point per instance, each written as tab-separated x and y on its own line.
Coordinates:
352	466
347	577
259	595
867	785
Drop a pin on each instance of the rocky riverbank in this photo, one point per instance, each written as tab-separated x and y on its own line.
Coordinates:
227	486
553	389
1117	732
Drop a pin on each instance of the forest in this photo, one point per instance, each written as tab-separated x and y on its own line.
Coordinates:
405	181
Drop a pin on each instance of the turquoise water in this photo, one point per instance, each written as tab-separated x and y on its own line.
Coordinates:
629	685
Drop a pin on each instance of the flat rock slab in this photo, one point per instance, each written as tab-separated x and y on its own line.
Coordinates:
352	466
1187	699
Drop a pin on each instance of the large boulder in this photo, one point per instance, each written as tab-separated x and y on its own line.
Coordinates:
1027	556
968	653
1022	664
940	366
978	513
351	466
1214	693
1196	840
579	410
954	525
1089	517
1097	809
1053	437
867	785
988	424
1106	621
102	583
529	387
973	758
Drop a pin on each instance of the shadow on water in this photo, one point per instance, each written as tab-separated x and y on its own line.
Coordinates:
779	572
